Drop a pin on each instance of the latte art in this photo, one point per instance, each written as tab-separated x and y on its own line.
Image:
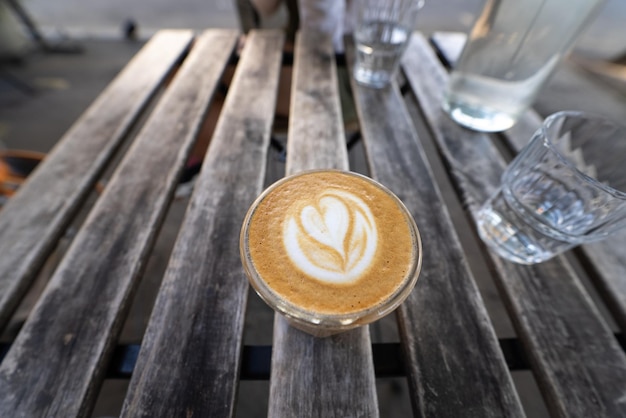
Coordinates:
333	239
330	250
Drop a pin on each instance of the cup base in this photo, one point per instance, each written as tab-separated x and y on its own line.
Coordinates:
316	330
512	238
376	79
503	238
478	118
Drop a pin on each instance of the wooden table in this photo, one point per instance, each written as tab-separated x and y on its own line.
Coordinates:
192	354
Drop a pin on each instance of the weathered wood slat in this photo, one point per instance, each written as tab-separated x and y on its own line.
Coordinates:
446	333
33	220
190	357
316	135
319	377
608	258
55	365
577	361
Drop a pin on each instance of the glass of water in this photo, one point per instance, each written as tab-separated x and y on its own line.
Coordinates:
511	51
566	187
382	30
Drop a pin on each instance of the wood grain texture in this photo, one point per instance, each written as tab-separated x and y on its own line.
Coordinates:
33	220
446	333
316	135
607	258
579	365
190	357
56	364
333	376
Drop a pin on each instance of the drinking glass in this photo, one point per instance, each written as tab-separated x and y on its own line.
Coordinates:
293	286
566	187
511	51
382	30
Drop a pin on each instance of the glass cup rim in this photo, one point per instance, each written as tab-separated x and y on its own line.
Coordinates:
412	8
415	4
551	119
324	320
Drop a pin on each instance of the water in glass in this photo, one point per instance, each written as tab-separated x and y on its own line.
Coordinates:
379	46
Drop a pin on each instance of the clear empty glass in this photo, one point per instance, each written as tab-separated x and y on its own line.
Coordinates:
566	187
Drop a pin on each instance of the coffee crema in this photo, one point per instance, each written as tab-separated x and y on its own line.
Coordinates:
332	242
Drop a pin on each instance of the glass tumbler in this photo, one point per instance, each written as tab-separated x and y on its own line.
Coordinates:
566	187
511	51
382	31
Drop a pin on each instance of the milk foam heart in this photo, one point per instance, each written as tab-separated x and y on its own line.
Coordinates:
332	238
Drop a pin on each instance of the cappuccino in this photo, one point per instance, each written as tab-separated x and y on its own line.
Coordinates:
330	249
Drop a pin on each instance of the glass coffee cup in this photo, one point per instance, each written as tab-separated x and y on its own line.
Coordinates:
330	250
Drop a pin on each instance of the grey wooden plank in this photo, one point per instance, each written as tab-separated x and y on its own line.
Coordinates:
609	261
579	365
33	220
190	357
316	136
319	377
56	364
607	258
446	333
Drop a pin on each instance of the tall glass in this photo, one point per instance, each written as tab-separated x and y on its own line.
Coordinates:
566	187
511	51
382	31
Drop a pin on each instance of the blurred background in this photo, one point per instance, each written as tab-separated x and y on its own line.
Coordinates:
59	86
605	38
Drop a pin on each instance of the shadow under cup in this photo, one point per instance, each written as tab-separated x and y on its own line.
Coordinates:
566	187
317	322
